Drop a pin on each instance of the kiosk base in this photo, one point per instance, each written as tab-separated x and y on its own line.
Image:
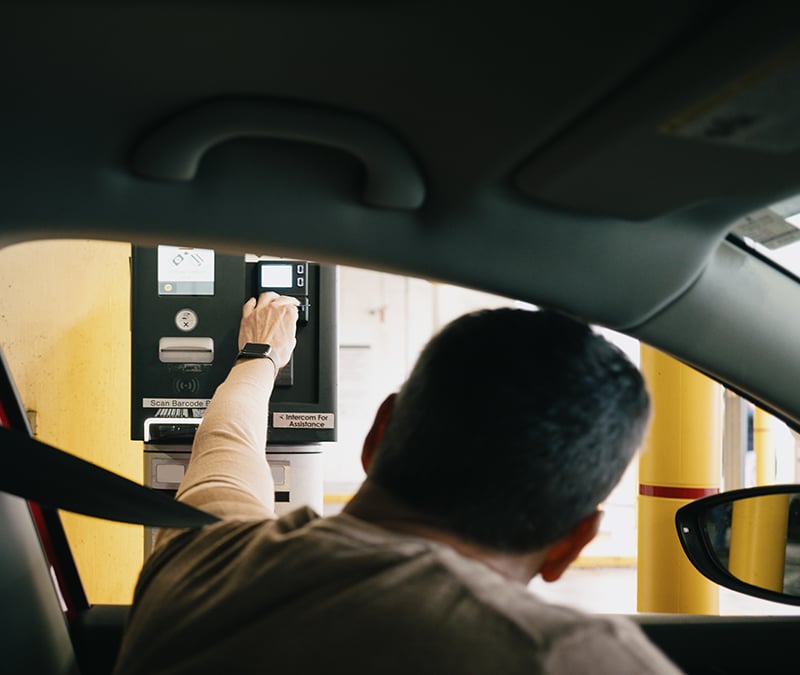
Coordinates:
296	471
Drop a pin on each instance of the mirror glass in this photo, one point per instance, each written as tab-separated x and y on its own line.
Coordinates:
757	540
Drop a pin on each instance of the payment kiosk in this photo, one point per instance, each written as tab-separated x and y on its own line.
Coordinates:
186	305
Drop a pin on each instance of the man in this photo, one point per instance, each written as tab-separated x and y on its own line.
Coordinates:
484	471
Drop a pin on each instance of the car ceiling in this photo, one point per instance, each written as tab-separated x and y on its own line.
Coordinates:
554	143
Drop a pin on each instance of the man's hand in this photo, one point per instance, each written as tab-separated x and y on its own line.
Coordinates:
227	474
272	320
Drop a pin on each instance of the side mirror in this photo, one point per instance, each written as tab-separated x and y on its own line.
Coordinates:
747	540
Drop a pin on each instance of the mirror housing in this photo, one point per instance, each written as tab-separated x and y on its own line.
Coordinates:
747	540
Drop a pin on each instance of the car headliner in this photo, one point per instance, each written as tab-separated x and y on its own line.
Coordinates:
553	144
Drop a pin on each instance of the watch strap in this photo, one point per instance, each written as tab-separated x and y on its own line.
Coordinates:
257	350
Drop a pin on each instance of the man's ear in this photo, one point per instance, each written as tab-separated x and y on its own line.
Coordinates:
561	554
373	439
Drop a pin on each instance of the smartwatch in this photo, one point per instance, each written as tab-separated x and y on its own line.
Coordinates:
257	350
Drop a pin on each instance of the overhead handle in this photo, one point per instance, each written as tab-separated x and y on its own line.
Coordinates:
173	151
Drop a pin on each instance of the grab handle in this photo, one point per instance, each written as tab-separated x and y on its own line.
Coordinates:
173	151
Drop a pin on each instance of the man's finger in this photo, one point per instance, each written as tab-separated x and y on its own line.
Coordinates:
248	307
267	297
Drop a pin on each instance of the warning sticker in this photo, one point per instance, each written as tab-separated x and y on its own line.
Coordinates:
760	111
768	228
302	420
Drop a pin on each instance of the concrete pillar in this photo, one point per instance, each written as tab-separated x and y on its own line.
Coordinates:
734	441
681	461
764	447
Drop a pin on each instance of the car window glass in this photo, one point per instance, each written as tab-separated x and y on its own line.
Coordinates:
64	326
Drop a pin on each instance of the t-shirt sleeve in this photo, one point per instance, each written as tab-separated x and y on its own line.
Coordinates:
228	474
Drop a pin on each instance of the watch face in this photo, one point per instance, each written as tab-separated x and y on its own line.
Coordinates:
255	349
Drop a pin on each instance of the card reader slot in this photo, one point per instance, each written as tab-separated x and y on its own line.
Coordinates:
170	429
186	350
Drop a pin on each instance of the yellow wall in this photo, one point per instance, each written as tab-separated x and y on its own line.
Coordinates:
64	327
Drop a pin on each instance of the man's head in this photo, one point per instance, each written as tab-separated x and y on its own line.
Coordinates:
512	427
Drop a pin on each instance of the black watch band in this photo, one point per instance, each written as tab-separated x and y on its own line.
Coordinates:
257	350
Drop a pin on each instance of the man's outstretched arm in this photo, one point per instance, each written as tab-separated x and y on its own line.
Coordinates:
228	474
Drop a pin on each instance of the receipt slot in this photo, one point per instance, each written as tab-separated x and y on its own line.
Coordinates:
186	305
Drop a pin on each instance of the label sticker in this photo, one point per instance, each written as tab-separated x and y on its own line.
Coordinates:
302	420
175	402
768	228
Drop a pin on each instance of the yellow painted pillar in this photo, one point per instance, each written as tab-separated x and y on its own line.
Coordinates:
758	540
763	447
680	461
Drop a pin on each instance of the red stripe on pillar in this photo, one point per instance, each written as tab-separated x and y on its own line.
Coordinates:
676	492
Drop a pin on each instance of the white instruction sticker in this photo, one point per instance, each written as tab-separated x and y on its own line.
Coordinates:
175	402
185	271
302	420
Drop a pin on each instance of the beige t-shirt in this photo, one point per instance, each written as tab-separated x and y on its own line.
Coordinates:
305	594
314	595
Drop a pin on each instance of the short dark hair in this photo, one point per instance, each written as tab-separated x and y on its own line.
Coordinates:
512	427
